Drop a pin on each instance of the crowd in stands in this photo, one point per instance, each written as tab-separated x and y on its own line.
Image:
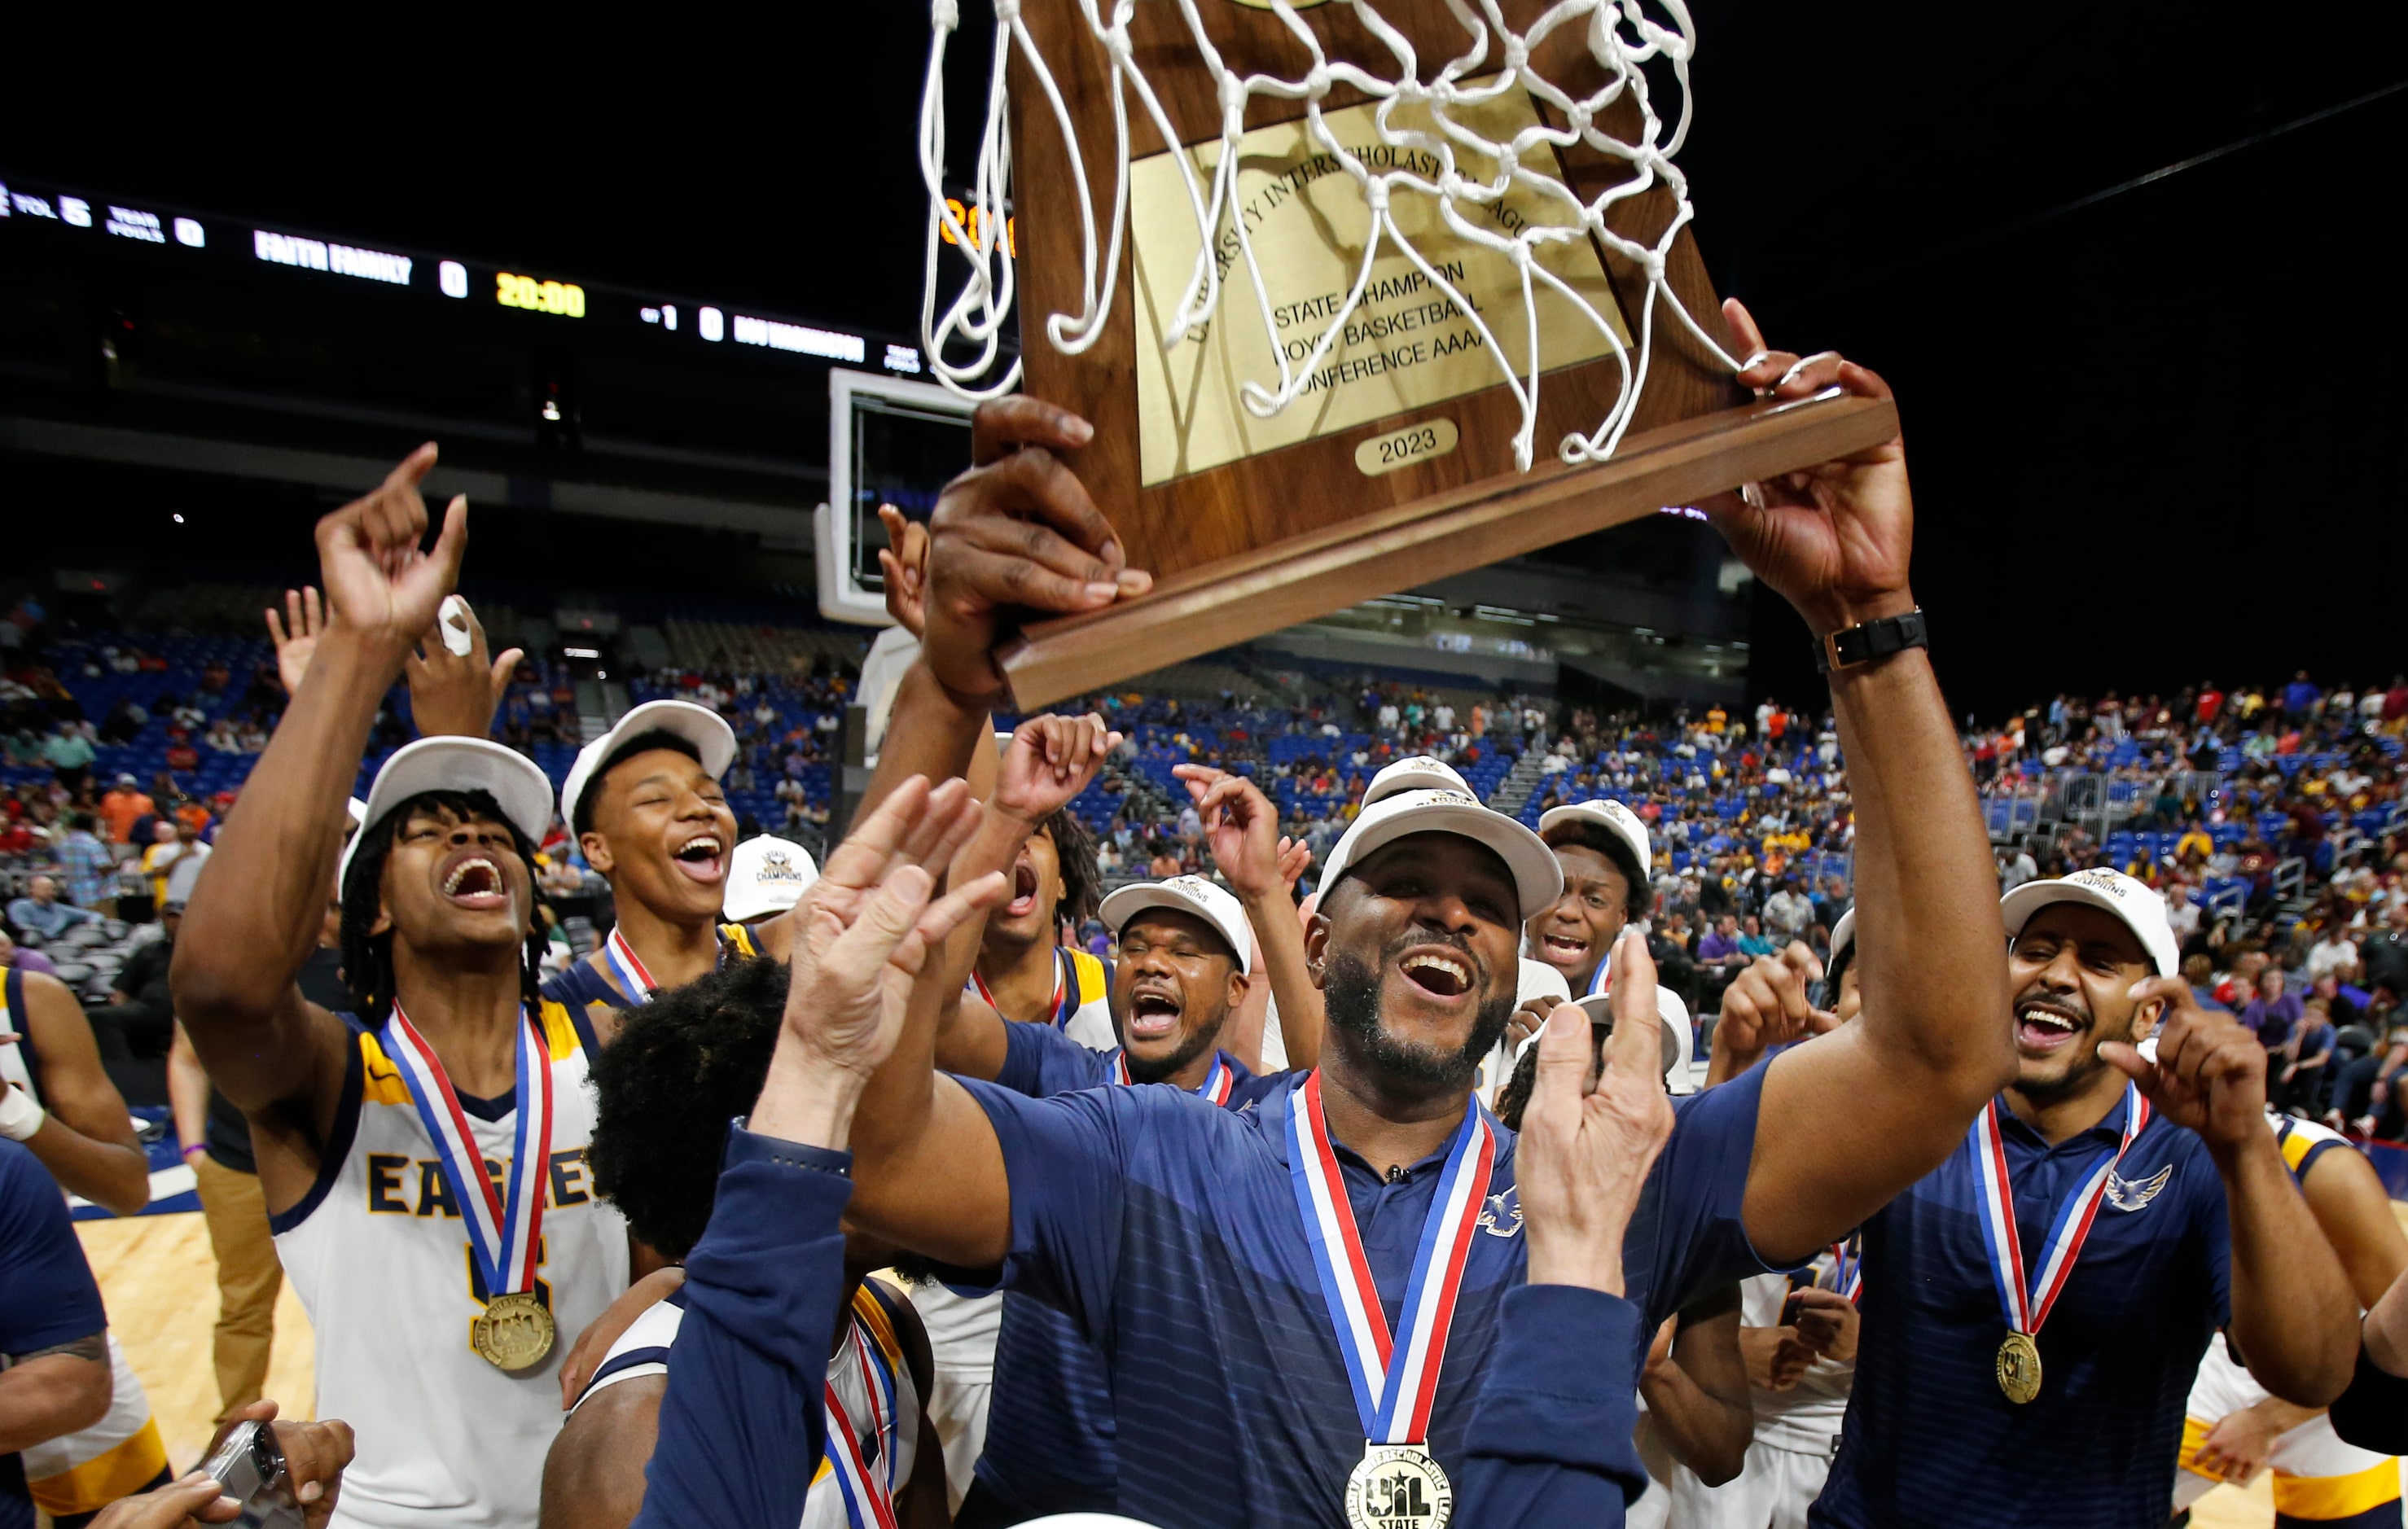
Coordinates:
2269	818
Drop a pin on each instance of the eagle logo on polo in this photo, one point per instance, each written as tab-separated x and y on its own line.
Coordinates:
1500	1215
2135	1194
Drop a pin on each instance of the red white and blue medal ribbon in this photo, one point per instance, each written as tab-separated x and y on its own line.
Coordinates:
504	1234
1848	1265
1601	980
1395	1381
1213	1090
1064	1002
2027	1297
627	968
868	1491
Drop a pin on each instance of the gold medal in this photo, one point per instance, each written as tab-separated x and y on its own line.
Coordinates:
514	1332
2019	1367
1397	1486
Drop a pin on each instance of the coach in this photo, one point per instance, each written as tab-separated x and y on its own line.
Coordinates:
1196	1246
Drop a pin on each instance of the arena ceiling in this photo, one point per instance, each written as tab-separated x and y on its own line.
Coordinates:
2146	425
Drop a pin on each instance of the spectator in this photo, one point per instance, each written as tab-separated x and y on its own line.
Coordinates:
69	755
2333	955
2273	1013
139	1019
160	858
89	869
1786	913
124	806
40	912
2198	970
2303	1065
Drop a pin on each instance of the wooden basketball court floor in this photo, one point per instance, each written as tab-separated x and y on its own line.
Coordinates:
160	1282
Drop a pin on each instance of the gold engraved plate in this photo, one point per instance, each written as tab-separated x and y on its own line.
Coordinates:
1397	1486
514	1332
1425	440
2019	1367
1406	345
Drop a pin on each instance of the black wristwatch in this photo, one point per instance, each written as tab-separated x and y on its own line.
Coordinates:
1870	640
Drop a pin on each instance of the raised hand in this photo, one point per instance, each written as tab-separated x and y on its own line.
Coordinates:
295	635
904	561
2210	1074
1017	533
1242	827
1050	762
1834	539
1585	1150
456	694
1766	1005
379	581
864	939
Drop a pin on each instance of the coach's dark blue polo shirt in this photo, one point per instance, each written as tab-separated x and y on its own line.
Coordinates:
1929	1438
1167	1230
1048	1433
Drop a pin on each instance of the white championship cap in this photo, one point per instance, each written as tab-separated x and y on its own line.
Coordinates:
1184	895
359	811
2135	902
1843	936
766	875
1614	818
458	764
1419	772
1538	880
705	729
1598	1007
1539	979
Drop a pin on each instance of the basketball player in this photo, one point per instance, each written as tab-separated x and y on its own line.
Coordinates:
1606	858
1025	971
57	1099
1177	1228
2372	1413
2001	1327
2232	1428
681	1067
1798	1332
423	1162
644	802
744	1417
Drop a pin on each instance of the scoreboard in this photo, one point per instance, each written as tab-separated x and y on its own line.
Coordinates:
119	306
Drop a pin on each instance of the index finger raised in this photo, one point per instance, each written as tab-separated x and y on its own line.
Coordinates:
1635	1047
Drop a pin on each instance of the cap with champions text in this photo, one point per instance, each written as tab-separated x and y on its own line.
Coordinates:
1844	937
514	782
1537	879
1417	772
1614	818
1191	895
705	729
766	875
2135	902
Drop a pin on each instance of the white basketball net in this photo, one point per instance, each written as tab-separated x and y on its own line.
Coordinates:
1621	38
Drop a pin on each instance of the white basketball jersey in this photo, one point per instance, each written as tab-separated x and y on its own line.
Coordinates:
380	1256
889	1429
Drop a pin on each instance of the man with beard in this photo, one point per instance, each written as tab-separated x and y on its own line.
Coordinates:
644	802
2034	1312
1239	1270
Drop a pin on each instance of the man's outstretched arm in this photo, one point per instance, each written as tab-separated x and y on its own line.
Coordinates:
1849	1122
260	904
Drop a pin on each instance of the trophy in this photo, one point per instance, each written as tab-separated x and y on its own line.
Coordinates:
1358	295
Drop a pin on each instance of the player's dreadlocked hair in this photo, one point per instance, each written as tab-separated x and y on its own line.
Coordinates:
368	957
683	1066
1074	851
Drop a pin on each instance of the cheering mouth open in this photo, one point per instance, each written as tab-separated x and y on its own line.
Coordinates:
703	857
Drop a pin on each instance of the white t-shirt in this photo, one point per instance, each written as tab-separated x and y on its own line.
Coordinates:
1805	1419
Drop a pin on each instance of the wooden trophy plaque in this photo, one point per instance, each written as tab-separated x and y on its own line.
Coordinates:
1395	466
